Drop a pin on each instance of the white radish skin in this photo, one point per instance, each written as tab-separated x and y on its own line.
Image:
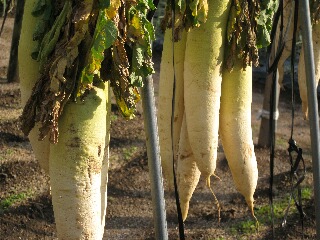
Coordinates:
78	170
188	173
287	34
105	164
29	74
202	86
301	68
285	54
236	132
165	101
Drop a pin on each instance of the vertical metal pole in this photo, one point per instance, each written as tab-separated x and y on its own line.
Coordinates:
304	16
153	151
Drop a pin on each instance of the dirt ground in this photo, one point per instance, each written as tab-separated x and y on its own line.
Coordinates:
25	203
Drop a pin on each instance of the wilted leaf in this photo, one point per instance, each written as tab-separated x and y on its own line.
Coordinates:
104	36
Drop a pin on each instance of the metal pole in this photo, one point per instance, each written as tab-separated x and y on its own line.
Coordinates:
304	15
153	152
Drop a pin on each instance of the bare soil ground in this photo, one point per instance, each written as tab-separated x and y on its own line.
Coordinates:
25	203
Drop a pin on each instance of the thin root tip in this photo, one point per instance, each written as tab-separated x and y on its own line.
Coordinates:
208	182
215	198
251	207
217	177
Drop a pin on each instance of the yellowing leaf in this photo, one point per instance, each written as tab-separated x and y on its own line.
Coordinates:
194	7
112	11
126	112
135	22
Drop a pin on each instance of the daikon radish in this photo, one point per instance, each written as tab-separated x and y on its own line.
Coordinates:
29	74
288	12
202	87
78	168
301	68
165	101
236	132
188	173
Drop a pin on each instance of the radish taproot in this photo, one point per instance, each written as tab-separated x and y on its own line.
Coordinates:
28	74
288	12
235	130
288	31
77	165
202	85
78	168
301	68
221	43
188	174
68	100
165	111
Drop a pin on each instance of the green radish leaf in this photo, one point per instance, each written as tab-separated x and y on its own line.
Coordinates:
132	59
105	35
104	4
108	41
43	11
140	69
194	7
144	5
50	39
137	58
181	5
39	8
188	14
264	22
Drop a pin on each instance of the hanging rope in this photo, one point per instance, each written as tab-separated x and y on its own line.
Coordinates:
297	172
273	70
279	14
297	165
297	175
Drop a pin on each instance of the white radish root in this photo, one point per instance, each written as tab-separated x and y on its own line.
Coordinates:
188	174
301	68
288	15
29	74
236	132
165	101
202	87
78	168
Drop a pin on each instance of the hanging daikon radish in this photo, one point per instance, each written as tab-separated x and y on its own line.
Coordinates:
188	173
202	87
167	72
235	129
